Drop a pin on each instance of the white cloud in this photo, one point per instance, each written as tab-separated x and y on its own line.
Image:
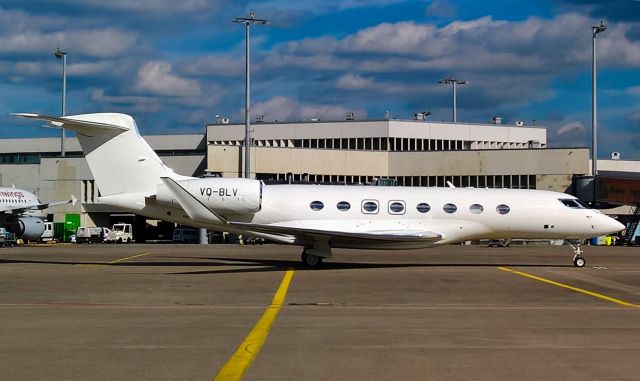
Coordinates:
218	65
29	68
126	102
160	6
288	109
484	44
100	43
634	117
353	82
570	127
156	77
634	90
441	8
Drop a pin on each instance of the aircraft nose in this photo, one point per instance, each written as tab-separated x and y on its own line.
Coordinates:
608	225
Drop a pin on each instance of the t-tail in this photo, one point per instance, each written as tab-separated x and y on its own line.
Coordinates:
121	161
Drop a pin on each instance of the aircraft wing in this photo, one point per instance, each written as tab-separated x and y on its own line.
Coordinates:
46	205
381	237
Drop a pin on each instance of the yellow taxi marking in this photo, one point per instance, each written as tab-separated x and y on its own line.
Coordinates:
127	258
247	351
112	262
576	289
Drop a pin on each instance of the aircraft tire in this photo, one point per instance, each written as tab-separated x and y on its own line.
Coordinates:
311	260
579	262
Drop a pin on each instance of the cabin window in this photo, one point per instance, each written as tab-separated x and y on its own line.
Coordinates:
423	207
573	203
343	206
449	208
503	209
396	207
316	205
370	206
476	208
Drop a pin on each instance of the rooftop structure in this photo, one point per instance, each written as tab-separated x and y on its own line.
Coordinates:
382	135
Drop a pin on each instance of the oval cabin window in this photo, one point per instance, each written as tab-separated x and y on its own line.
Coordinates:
449	208
503	209
370	207
476	208
343	206
316	205
396	207
423	207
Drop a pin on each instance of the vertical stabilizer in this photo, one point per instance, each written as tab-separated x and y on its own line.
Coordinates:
120	160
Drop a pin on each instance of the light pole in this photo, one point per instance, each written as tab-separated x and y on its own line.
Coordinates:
63	56
454	82
594	120
247	21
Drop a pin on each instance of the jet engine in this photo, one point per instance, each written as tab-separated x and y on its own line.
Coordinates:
27	228
226	196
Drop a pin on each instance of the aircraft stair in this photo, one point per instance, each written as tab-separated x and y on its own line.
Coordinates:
632	225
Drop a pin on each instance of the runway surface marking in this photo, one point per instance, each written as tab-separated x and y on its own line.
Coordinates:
576	289
127	258
247	351
112	262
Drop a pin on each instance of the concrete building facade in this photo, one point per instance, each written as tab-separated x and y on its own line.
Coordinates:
415	153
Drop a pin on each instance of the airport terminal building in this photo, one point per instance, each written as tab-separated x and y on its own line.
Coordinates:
368	152
412	152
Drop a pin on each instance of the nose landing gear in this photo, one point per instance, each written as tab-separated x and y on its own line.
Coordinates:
578	260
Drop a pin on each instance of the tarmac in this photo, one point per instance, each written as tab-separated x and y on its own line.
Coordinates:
180	312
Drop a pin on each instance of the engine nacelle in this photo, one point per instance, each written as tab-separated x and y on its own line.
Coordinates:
226	196
27	228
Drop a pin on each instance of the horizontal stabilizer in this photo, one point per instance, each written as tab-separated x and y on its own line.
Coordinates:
46	205
72	123
191	205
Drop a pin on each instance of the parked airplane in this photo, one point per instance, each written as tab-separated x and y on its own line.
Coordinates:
132	177
23	214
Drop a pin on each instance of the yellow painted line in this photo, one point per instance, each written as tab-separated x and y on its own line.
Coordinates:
576	289
247	351
127	258
112	262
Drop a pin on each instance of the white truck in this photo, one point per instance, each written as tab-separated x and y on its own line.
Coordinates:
120	233
47	235
86	234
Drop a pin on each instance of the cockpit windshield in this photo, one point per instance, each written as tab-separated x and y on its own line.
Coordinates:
573	203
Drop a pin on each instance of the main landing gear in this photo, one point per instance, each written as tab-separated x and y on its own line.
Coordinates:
311	260
578	260
312	256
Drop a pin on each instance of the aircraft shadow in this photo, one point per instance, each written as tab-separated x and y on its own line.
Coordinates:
271	265
250	265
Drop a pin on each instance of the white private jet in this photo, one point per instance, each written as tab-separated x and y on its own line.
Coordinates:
132	177
23	214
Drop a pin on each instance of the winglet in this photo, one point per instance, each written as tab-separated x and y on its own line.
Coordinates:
74	200
194	208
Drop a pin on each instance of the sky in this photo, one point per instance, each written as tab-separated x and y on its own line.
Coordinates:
175	65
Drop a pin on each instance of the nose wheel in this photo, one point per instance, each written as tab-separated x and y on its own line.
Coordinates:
578	260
